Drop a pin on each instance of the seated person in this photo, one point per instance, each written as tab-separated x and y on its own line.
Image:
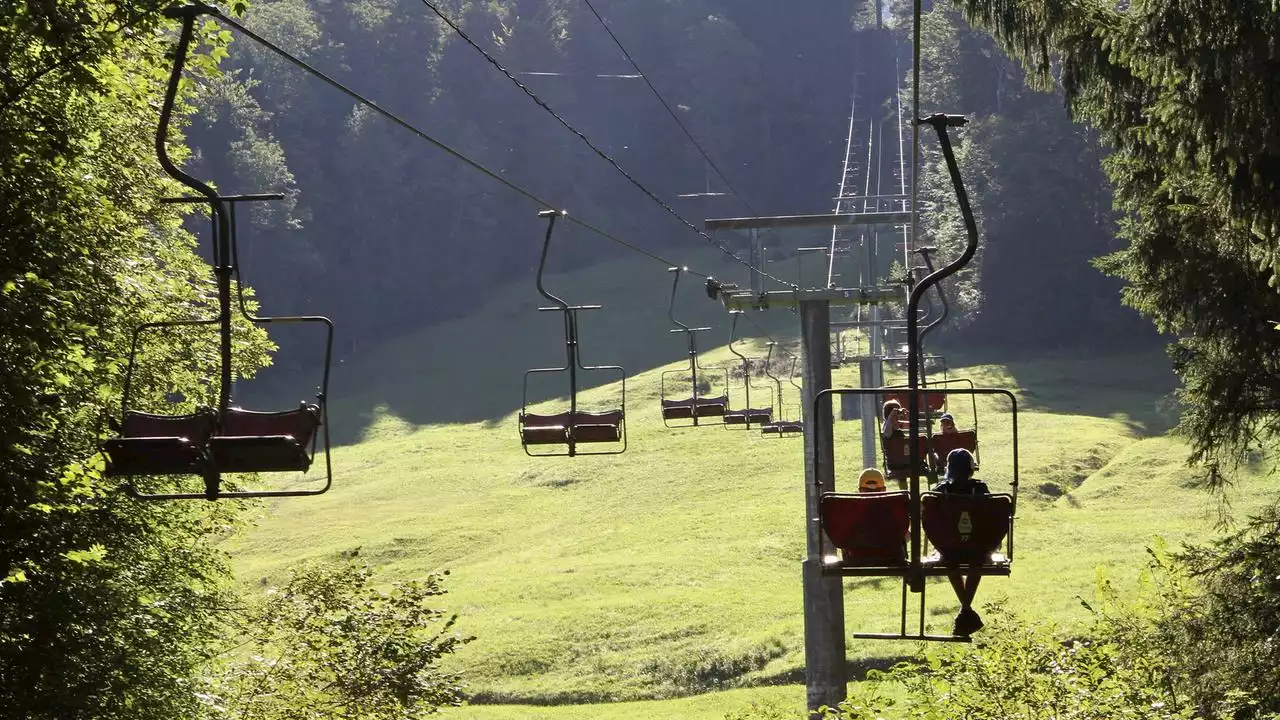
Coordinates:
959	480
894	417
948	424
871	480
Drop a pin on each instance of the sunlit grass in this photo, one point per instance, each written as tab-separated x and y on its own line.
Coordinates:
674	569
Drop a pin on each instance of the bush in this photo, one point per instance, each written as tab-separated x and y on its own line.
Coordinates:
331	645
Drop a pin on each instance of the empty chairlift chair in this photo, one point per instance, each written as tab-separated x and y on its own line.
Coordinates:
699	405
561	433
782	427
149	444
211	442
747	415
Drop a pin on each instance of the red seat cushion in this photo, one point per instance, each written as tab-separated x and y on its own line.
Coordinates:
252	441
966	529
158	444
300	424
753	415
152	456
685	409
587	427
943	444
933	402
896	462
196	427
869	528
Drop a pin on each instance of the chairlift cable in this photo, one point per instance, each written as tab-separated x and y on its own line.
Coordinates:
373	106
770	337
705	155
596	148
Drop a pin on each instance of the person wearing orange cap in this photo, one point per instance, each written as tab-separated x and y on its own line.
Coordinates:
871	480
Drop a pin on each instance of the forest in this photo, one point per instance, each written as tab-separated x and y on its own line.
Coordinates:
1122	160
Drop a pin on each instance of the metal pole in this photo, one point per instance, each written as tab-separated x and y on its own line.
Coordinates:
870	364
868	413
693	371
824	649
757	280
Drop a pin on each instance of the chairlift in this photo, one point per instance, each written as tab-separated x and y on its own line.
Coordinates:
782	427
211	442
691	410
572	427
746	415
889	534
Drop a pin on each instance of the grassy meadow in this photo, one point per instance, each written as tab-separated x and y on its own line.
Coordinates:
665	582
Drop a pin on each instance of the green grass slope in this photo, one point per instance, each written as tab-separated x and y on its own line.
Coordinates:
471	369
673	570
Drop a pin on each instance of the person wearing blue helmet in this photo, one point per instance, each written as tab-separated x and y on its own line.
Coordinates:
959	480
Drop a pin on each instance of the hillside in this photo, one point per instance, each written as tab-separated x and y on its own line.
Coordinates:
673	569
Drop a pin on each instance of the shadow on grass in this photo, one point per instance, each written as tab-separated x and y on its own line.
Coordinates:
1135	387
472	370
854	670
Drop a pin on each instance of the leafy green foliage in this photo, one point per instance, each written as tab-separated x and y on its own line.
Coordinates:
329	644
1208	615
1025	670
106	604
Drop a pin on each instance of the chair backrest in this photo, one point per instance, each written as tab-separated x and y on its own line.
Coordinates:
943	444
196	427
869	528
581	417
608	417
966	528
301	424
895	452
931	401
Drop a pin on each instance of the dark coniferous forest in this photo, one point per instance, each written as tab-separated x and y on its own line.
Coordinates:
387	233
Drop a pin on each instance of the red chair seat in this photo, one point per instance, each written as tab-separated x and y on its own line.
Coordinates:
586	427
782	427
966	529
151	456
896	462
251	441
260	453
702	407
158	444
748	415
931	402
943	444
869	528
